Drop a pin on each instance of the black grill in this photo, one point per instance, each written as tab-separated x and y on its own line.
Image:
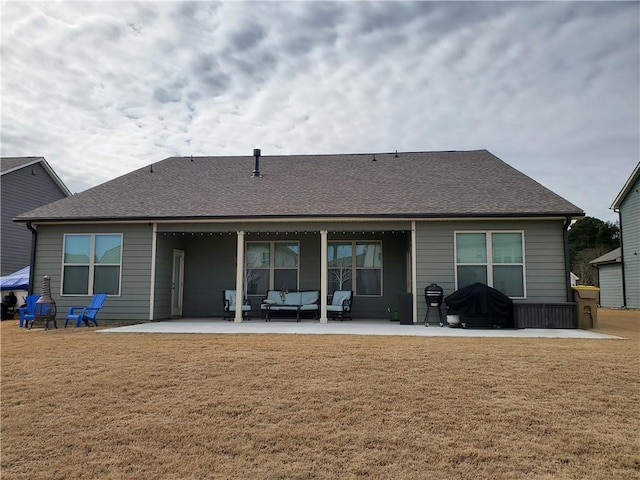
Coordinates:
433	295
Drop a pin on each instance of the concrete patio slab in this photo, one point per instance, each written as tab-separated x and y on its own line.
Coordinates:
356	327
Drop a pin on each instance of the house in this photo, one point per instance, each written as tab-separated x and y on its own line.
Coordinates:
27	183
627	205
609	268
165	240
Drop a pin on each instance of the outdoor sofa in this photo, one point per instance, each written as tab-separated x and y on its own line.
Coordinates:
287	303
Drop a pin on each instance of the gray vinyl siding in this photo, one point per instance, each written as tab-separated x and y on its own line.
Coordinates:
210	256
544	257
133	303
210	268
22	191
630	225
610	279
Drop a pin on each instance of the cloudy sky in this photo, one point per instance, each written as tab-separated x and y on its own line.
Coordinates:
101	89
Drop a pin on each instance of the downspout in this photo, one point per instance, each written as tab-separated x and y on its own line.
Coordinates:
624	283
567	258
32	268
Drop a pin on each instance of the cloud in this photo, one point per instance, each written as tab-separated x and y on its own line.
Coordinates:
102	88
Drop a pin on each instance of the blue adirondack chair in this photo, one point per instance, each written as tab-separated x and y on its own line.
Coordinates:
87	314
27	312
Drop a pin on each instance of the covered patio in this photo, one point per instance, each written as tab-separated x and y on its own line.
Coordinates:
194	263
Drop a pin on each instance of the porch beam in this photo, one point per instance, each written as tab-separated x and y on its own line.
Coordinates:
239	277
324	284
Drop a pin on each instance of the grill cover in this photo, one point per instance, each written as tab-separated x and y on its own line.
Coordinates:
480	300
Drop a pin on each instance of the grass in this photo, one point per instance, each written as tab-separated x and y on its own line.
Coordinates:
76	404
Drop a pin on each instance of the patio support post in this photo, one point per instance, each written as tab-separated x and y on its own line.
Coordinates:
239	278
324	293
414	271
152	282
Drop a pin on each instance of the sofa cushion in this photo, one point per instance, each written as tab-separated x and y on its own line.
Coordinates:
274	295
308	298
292	298
309	307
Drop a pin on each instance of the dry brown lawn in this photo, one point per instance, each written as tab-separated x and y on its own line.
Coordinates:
76	404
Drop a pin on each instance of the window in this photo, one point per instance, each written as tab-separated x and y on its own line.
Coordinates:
493	258
355	266
271	266
92	264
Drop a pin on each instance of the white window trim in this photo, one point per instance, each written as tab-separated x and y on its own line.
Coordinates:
355	268
91	264
489	263
272	260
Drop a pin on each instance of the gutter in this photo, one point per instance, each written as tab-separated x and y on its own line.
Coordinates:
34	242
624	283
567	258
306	218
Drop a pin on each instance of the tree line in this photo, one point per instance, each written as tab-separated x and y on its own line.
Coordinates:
589	238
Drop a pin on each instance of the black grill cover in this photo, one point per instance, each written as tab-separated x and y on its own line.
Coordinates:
480	300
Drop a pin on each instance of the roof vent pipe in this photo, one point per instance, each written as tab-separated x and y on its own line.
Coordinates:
256	167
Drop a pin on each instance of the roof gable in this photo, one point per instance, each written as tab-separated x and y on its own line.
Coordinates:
628	186
12	164
414	184
614	256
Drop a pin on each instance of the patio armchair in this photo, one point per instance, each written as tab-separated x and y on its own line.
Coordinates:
229	301
340	306
86	314
27	312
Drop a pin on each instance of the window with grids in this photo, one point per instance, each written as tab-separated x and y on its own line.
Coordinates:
493	258
355	266
92	263
271	266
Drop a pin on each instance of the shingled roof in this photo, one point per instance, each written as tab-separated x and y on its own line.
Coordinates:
8	164
419	184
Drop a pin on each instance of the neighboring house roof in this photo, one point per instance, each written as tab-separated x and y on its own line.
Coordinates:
614	256
627	188
11	164
419	184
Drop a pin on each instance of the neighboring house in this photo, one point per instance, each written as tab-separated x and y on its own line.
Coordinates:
26	183
609	268
627	204
382	225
